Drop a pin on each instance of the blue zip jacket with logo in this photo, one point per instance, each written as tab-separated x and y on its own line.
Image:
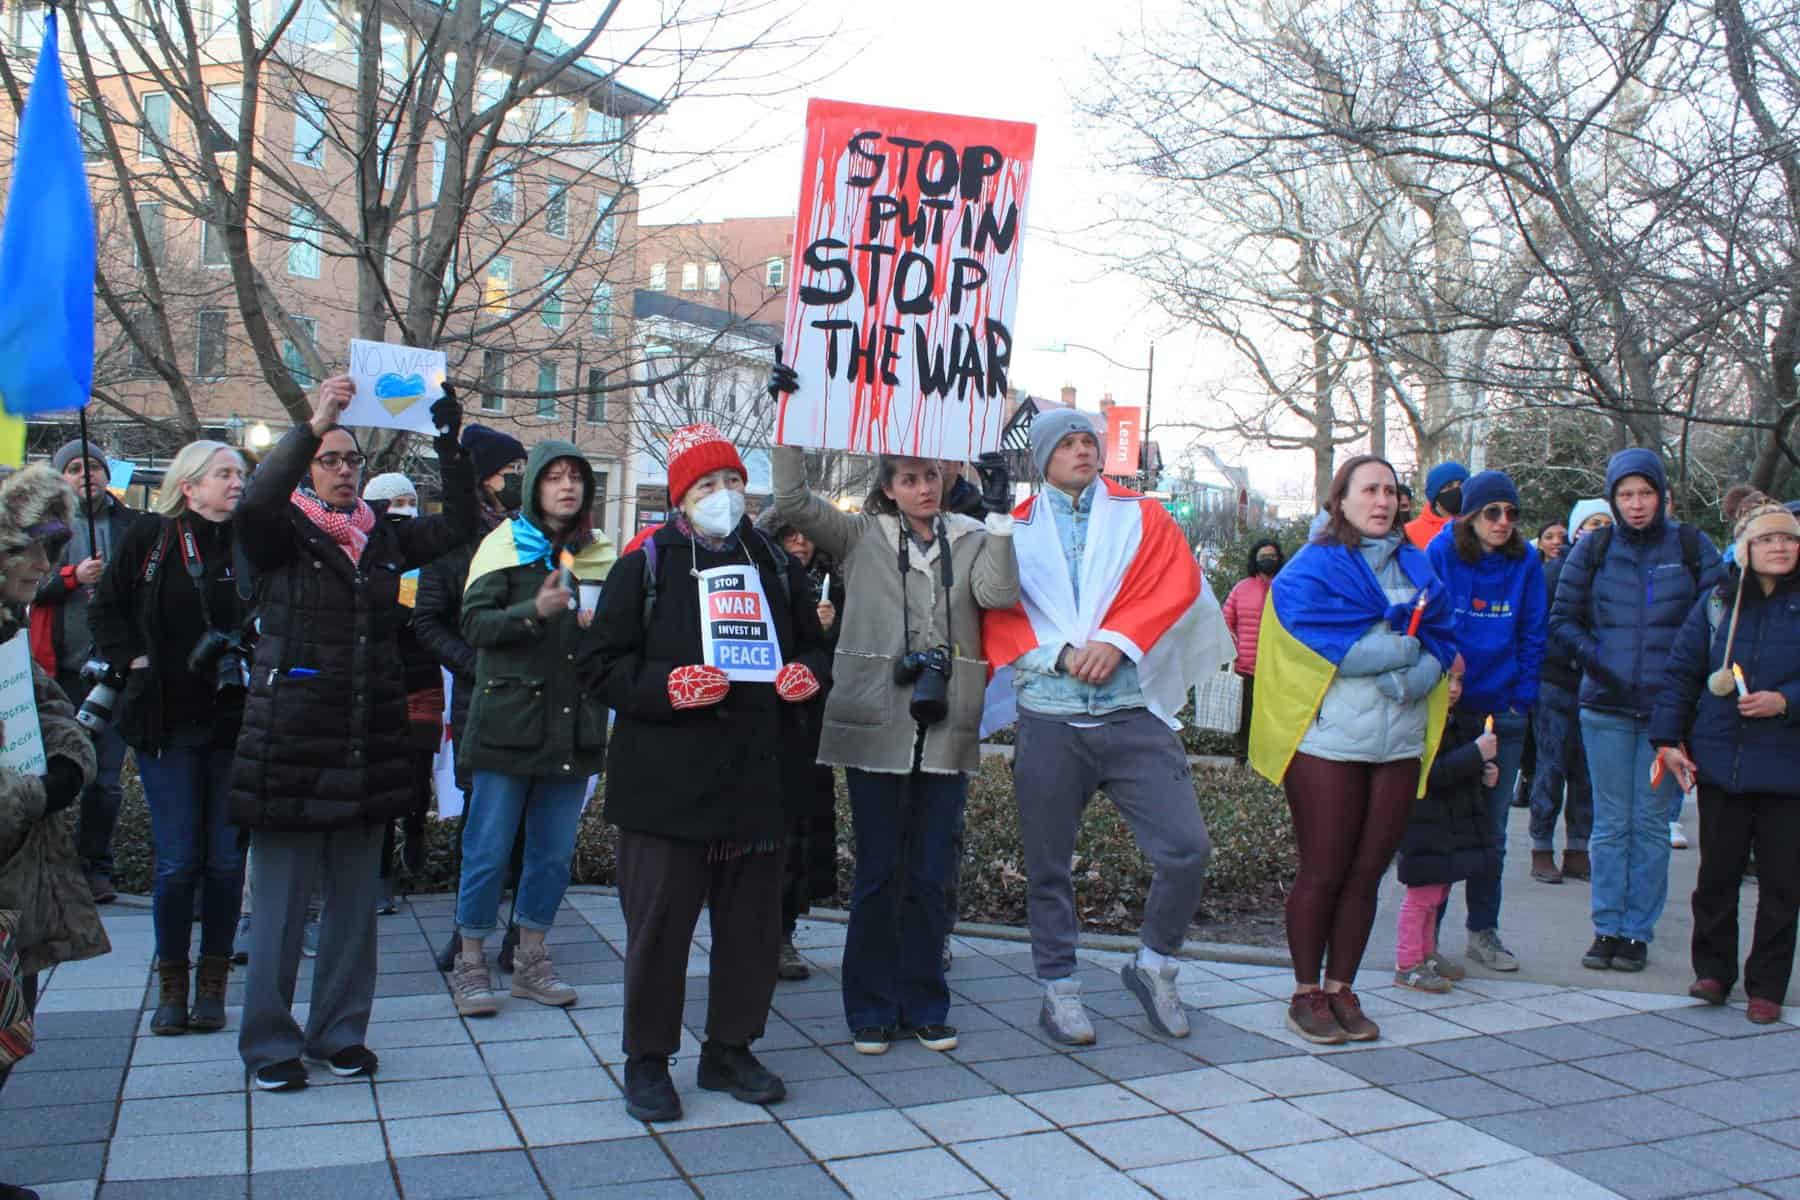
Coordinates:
1502	619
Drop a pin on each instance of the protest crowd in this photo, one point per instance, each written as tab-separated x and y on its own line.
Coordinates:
272	645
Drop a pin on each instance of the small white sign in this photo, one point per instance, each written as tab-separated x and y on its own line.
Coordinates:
395	386
737	630
24	748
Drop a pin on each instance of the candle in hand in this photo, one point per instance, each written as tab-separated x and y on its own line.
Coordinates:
566	562
1488	726
1737	673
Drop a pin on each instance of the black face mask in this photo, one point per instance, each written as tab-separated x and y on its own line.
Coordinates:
1450	501
1267	566
512	491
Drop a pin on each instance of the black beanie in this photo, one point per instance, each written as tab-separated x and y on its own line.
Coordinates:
489	449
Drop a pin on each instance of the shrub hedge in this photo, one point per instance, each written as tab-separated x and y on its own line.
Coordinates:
1253	849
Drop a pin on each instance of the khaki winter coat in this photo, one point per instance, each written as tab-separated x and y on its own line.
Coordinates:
867	723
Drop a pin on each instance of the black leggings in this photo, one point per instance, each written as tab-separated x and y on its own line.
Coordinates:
1348	821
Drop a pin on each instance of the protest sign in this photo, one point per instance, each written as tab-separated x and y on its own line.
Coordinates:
737	630
24	748
906	275
1124	430
118	474
395	386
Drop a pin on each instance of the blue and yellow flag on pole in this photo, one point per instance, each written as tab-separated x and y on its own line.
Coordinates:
46	257
1325	599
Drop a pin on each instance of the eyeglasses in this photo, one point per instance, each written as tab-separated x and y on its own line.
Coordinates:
334	460
1775	539
1494	512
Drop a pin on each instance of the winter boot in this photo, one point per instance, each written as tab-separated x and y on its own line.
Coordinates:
1543	867
1575	865
171	1016
210	978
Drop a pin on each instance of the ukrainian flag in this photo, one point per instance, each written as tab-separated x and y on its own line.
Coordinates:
47	254
1320	604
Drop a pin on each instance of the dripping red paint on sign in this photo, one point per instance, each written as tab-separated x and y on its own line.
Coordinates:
906	276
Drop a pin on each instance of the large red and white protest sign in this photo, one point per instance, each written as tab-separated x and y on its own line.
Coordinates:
906	276
1124	432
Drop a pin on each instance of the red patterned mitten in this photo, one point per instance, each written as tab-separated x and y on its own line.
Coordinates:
796	683
696	687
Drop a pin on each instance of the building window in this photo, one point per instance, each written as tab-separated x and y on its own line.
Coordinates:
549	375
714	276
309	131
556	118
313	25
396	58
224	104
556	208
438	151
502	195
212	245
154	133
150	216
499	282
606	225
775	273
493	380
596	396
599	496
552	308
602	309
690	277
659	277
209	344
291	356
25	27
303	242
93	138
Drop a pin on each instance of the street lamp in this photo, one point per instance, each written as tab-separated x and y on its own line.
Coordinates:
1149	373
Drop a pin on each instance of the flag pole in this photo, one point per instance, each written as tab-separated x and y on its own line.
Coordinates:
87	483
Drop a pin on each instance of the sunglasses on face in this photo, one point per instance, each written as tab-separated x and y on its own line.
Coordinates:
1775	539
1494	512
334	460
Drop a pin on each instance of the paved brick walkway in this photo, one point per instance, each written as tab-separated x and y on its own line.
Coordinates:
1505	1089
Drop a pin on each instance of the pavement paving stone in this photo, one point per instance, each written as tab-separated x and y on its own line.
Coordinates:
1211	1178
1365	1110
1557	1083
1039	1164
355	1101
1643	1173
198	1187
823	1097
308	1146
432	1097
1479	1055
1548	1131
1384	1066
55	1124
172	1155
1737	1154
601	1164
906	1175
1645	1070
930	1085
979	1118
450	1177
852	1134
1147	1142
740	1148
1530	1177
1442	1147
803	1182
1201	1087
1260	1125
365	1181
1337	1165
1464	1096
455	1133
87	1085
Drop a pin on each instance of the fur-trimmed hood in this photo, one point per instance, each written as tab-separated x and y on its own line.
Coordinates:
36	504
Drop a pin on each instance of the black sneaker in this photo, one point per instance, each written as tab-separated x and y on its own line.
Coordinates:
734	1069
1600	955
936	1037
1632	955
872	1040
286	1076
352	1061
649	1092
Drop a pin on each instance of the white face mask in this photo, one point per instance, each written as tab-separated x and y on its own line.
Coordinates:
397	511
719	513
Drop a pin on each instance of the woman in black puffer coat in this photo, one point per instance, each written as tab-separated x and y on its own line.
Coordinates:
322	762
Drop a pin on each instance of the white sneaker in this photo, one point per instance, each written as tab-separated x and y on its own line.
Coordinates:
1157	992
1678	839
1063	1016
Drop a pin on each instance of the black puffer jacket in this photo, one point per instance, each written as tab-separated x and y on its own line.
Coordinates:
437	624
1447	839
705	774
324	742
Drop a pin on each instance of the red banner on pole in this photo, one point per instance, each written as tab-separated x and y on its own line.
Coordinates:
1124	432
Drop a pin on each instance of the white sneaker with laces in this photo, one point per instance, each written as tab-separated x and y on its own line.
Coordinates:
1063	1016
1157	992
1678	838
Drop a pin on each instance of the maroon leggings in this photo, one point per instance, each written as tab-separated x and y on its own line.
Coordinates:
1348	820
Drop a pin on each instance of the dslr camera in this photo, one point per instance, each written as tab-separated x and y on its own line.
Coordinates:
223	656
928	671
102	703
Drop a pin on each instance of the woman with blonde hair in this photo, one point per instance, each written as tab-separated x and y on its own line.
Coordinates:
172	610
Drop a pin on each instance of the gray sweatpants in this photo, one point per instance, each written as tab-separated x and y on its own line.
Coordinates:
290	867
1141	766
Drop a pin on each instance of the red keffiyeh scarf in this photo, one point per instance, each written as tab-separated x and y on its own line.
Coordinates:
350	530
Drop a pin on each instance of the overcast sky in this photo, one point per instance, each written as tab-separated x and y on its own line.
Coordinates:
1021	60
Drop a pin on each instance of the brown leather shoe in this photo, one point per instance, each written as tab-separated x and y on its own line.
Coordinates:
1575	865
1309	1015
1711	991
1762	1012
1543	867
1348	1011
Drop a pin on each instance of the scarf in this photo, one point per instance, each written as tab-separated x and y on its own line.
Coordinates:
348	527
717	545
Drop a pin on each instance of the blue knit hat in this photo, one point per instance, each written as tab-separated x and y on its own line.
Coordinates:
1442	476
1487	488
489	450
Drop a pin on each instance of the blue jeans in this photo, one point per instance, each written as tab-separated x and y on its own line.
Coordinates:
1561	785
1629	849
905	828
1482	893
196	848
552	812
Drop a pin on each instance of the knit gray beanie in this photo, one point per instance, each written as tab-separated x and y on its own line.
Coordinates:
1048	429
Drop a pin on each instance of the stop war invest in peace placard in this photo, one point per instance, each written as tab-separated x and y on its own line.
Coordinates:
900	305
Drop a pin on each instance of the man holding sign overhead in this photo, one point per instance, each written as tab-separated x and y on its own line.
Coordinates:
709	646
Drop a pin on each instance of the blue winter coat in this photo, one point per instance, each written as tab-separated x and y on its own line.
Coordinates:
1618	617
1734	753
1501	611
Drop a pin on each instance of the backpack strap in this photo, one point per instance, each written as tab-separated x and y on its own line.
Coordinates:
1689	535
649	579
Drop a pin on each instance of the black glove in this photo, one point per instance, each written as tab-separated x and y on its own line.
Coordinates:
62	784
446	414
996	482
782	379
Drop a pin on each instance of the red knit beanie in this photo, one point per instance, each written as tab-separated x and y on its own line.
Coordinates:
696	450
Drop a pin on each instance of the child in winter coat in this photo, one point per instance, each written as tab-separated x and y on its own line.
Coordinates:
1447	840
